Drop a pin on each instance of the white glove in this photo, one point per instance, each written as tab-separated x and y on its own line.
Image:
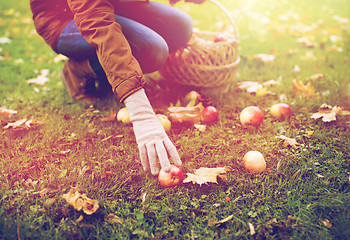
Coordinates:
154	144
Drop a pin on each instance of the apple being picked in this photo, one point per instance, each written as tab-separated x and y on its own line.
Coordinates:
280	111
171	178
251	115
254	162
210	115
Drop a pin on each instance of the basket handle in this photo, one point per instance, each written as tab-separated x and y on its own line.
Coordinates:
228	14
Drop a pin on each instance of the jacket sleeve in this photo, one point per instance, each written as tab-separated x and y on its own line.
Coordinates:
95	20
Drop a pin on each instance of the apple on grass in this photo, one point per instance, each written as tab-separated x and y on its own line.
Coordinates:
254	162
251	115
280	111
210	115
171	178
123	115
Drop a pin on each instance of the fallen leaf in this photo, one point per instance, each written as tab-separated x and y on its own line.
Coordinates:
289	141
218	223
327	113
327	223
302	89
80	218
190	115
266	59
316	77
307	42
111	117
7	113
251	228
113	219
15	124
200	127
4	40
205	175
81	201
41	79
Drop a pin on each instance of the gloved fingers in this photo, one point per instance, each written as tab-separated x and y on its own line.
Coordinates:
152	158
144	158
174	155
163	156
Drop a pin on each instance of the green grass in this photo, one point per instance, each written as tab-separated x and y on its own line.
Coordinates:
305	187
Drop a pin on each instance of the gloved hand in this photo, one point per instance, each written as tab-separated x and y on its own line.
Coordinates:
154	145
172	2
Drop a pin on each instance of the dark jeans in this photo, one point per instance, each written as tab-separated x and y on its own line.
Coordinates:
152	30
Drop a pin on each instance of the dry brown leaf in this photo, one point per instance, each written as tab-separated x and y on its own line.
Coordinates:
191	115
23	124
327	113
111	117
81	201
15	124
205	175
7	113
289	141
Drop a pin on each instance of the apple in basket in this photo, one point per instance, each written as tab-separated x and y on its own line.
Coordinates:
221	38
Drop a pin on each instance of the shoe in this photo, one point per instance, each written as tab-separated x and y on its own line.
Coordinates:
79	79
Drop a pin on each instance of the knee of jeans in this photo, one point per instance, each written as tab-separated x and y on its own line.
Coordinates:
183	30
154	56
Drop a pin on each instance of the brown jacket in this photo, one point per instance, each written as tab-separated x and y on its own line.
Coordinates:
95	20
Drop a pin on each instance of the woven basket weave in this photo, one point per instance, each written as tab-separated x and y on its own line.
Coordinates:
204	63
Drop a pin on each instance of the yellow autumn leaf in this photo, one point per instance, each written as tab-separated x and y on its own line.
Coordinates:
81	201
303	90
205	175
327	113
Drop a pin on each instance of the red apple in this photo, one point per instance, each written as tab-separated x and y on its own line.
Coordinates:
251	115
280	111
254	162
171	178
210	115
221	38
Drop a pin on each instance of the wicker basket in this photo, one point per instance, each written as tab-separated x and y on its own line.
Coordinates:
204	63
